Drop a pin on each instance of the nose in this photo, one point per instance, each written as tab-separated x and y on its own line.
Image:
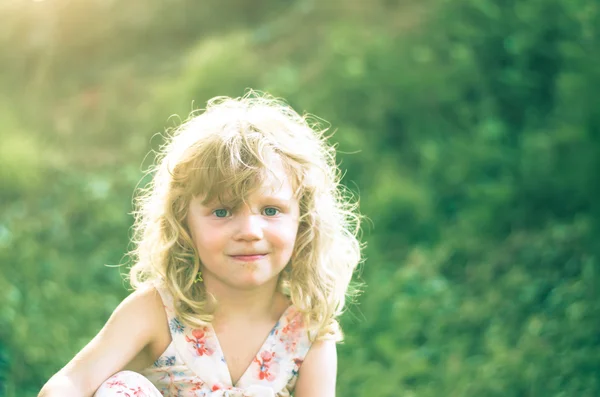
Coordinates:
250	227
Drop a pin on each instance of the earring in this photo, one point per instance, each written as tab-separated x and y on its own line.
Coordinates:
198	277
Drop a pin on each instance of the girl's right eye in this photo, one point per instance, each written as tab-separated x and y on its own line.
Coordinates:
221	213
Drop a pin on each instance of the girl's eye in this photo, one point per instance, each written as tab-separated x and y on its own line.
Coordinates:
221	213
270	211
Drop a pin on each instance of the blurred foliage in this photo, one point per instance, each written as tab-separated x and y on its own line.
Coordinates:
470	128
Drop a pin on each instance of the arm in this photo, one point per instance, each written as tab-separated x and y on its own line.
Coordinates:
318	371
131	328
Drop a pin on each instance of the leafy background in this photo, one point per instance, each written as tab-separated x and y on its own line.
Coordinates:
470	129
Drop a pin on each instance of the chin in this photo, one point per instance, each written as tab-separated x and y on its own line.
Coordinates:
248	283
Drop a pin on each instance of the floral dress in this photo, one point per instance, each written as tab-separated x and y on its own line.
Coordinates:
194	364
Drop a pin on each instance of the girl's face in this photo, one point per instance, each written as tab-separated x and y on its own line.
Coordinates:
249	246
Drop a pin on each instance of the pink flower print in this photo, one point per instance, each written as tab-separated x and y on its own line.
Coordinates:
294	325
291	332
138	392
198	342
267	369
290	345
197	385
115	383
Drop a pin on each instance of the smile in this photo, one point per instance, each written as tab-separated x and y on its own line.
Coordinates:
248	258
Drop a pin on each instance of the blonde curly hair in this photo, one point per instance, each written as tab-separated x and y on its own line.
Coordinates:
225	152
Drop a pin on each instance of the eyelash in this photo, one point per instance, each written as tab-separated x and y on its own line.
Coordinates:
229	212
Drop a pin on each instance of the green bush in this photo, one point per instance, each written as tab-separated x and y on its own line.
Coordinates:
469	128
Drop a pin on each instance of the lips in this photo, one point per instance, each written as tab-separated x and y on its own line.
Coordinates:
248	257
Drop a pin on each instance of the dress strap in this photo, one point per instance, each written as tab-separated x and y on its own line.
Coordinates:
167	300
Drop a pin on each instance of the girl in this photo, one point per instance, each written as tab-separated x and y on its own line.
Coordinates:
245	248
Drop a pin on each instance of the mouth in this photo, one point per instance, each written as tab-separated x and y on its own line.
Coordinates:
248	258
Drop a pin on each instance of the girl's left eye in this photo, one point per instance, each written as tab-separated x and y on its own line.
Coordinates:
270	211
221	213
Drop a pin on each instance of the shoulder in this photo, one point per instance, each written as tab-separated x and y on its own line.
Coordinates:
140	314
317	376
144	302
140	317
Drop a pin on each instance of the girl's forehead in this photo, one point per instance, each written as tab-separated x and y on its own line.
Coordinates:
273	183
277	186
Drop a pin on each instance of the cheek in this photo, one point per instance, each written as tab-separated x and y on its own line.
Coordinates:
287	234
200	237
208	240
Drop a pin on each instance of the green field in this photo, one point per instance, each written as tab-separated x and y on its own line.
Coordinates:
470	129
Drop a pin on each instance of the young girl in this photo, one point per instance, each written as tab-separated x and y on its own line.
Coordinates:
245	248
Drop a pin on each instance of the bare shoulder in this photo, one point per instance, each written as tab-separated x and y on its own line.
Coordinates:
148	304
317	376
142	307
143	298
137	323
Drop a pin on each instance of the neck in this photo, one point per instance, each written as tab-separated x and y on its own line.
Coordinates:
242	305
